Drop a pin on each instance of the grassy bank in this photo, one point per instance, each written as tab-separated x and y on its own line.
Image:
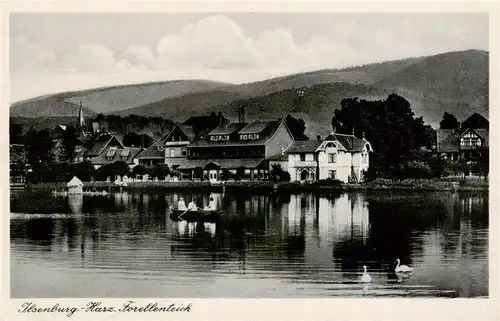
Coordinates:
438	184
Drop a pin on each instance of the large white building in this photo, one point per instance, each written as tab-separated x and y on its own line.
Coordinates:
338	156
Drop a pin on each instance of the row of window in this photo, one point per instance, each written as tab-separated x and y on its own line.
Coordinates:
249	136
332	157
222	138
467	142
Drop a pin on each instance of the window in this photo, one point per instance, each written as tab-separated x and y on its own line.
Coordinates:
160	148
302	157
184	152
332	158
332	174
256	136
469	140
364	158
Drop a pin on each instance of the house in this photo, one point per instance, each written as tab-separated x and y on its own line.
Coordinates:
201	125
109	150
171	149
60	154
455	144
338	156
236	146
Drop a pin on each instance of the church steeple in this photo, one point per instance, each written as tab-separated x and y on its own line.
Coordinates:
81	120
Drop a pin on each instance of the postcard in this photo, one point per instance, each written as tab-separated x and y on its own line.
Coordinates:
249	160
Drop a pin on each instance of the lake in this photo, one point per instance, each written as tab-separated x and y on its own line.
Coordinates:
278	245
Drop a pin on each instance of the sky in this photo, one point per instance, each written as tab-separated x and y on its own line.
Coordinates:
52	53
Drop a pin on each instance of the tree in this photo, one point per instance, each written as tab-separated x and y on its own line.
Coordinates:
449	121
240	172
390	126
16	134
297	127
137	140
160	171
198	172
84	170
38	148
226	174
476	121
140	170
70	141
277	174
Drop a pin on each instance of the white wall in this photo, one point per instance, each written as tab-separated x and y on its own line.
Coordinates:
342	166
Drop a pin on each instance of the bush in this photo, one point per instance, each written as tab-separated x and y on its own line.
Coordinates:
329	182
140	170
160	171
277	174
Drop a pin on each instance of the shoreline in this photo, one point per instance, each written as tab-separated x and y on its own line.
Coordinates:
268	186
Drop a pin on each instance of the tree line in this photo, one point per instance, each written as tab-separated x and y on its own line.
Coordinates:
403	144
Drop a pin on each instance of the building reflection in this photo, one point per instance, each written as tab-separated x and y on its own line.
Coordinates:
75	203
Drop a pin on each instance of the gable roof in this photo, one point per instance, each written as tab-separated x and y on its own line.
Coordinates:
227	129
113	155
153	153
255	127
350	142
265	135
96	147
448	140
188	131
75	181
304	146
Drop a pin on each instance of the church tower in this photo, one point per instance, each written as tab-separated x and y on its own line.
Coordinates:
81	120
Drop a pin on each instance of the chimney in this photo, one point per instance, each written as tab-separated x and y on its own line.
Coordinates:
352	130
363	135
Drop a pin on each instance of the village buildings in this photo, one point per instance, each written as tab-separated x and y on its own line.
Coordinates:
461	143
215	149
234	147
338	156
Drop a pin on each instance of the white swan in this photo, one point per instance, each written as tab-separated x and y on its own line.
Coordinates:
402	268
366	278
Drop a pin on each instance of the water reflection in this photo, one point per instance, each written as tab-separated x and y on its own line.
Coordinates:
306	244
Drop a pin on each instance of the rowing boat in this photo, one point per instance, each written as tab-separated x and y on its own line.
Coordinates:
200	215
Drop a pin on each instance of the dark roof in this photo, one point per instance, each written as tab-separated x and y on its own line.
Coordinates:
304	146
448	140
227	129
96	147
230	163
350	142
254	127
153	153
265	135
117	155
279	157
188	130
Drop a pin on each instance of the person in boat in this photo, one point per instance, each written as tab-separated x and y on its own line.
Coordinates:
211	205
181	205
192	206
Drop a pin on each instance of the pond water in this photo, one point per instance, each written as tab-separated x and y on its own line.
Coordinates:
304	245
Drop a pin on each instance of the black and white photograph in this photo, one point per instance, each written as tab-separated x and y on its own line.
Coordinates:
249	155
